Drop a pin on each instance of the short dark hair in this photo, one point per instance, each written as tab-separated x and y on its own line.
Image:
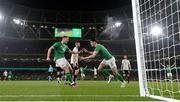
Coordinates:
94	40
65	37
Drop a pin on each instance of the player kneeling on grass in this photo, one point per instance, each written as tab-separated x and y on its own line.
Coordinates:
109	60
60	48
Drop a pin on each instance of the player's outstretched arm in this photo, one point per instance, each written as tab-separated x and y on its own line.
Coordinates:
86	51
90	56
49	53
72	52
173	65
162	65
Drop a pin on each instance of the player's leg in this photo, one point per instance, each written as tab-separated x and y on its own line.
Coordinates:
118	76
75	75
169	75
65	66
110	78
49	76
75	71
72	71
128	76
82	65
59	74
101	66
82	73
125	72
95	73
113	66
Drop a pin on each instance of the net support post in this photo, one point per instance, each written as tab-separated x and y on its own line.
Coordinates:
139	49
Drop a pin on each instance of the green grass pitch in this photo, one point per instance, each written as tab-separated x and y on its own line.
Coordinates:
85	91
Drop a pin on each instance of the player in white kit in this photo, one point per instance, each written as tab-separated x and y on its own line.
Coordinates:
74	61
126	67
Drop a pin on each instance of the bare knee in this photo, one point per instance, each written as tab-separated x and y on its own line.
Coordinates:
66	69
76	72
114	71
100	67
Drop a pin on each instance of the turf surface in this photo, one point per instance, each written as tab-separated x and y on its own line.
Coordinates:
85	91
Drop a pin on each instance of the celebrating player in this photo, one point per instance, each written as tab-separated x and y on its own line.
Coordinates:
60	48
126	67
168	69
108	60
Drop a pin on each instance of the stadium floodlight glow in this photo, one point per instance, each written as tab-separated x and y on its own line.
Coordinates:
118	24
102	28
33	26
16	21
21	23
42	26
1	16
156	30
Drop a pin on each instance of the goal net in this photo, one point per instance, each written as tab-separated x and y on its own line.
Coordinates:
157	36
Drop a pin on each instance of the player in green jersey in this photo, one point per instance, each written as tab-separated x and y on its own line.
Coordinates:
59	57
168	71
108	60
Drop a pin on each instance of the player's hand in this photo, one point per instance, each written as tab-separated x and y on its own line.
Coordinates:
48	59
81	51
82	58
85	50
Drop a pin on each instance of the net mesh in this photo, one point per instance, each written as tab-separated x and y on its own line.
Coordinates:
160	23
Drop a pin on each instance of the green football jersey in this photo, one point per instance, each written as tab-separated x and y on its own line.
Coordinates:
60	50
168	69
100	49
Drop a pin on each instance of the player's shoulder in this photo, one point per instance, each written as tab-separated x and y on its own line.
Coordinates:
57	43
127	60
123	60
99	45
75	48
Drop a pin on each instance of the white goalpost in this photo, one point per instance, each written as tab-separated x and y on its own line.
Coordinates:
157	38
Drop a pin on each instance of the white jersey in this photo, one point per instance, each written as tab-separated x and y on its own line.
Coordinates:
5	73
74	57
125	64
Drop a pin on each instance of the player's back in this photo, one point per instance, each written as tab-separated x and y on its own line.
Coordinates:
103	51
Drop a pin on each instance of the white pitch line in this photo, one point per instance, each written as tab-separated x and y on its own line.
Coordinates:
69	95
